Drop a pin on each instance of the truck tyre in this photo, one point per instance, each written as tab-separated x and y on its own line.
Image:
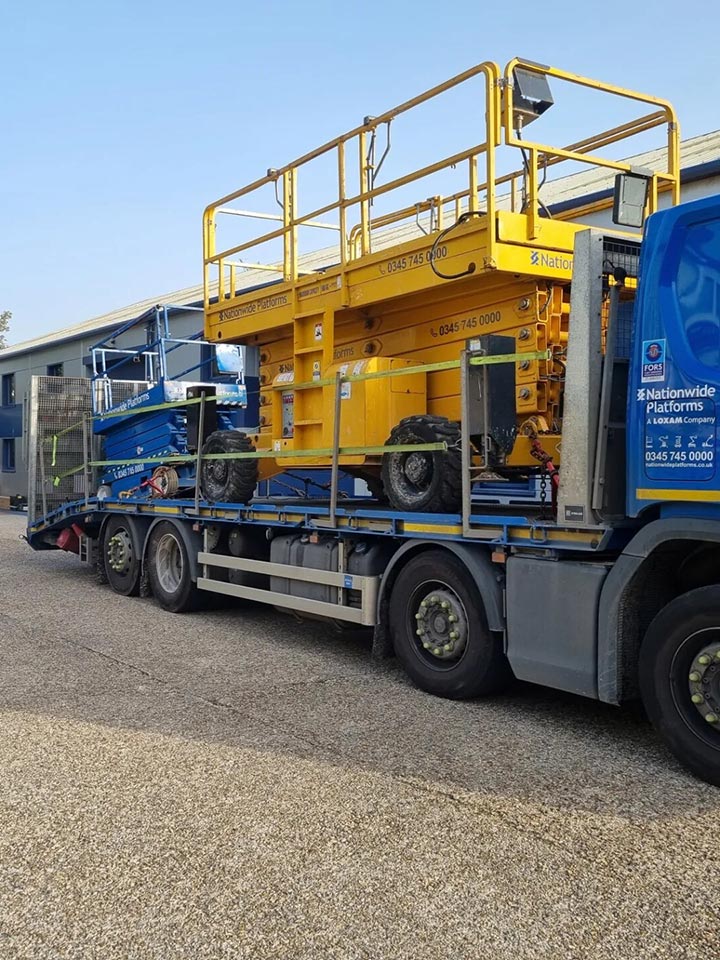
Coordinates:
169	569
427	481
439	629
121	553
228	481
680	679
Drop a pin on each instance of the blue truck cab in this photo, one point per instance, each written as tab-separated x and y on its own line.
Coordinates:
675	376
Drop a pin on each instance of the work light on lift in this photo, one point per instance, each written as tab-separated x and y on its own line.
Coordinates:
531	96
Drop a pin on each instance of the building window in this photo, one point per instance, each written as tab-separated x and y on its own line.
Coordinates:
8	389
55	370
8	456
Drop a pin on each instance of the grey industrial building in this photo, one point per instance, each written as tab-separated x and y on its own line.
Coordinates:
67	352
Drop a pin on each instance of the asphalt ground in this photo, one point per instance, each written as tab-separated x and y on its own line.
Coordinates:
233	783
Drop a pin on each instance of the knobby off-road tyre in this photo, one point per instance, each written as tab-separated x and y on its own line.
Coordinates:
680	679
121	556
439	629
427	481
169	569
228	481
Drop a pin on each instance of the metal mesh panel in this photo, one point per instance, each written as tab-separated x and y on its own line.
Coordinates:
623	329
59	408
623	255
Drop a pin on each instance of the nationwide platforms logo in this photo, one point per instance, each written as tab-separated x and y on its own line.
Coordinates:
555	261
653	365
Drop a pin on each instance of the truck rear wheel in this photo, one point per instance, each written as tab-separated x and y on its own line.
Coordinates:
228	481
680	679
121	552
429	481
440	632
169	569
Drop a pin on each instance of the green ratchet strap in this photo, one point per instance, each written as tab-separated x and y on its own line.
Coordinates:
511	357
280	454
409	370
474	361
134	411
68	473
130	413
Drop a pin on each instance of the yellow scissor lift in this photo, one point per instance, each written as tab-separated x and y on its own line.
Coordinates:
407	288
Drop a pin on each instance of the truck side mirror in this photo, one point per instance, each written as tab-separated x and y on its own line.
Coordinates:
630	199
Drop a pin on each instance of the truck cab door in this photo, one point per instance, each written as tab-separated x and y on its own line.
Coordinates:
672	451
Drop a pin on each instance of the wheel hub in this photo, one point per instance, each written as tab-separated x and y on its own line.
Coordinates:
704	683
441	624
169	563
416	468
120	552
218	470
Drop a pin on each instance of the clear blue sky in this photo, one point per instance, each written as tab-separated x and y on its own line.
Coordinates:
121	119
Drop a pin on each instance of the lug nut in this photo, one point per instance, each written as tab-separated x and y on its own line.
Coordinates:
711	717
420	631
437	651
418	616
426	645
452	618
697	698
445	605
695	677
448	647
717	655
434	599
453	635
704	660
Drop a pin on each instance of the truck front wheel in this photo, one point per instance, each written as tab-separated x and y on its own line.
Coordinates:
680	679
169	569
439	629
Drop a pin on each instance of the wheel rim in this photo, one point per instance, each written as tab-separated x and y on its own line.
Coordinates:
411	473
218	471
120	552
439	624
169	563
695	683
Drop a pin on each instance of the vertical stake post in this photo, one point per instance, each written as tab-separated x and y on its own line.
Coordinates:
336	449
198	460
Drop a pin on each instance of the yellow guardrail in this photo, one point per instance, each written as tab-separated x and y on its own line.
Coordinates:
501	129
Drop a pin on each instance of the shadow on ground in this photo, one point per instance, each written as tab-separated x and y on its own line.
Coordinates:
253	677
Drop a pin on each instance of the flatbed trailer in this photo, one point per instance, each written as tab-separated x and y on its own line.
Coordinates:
569	452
